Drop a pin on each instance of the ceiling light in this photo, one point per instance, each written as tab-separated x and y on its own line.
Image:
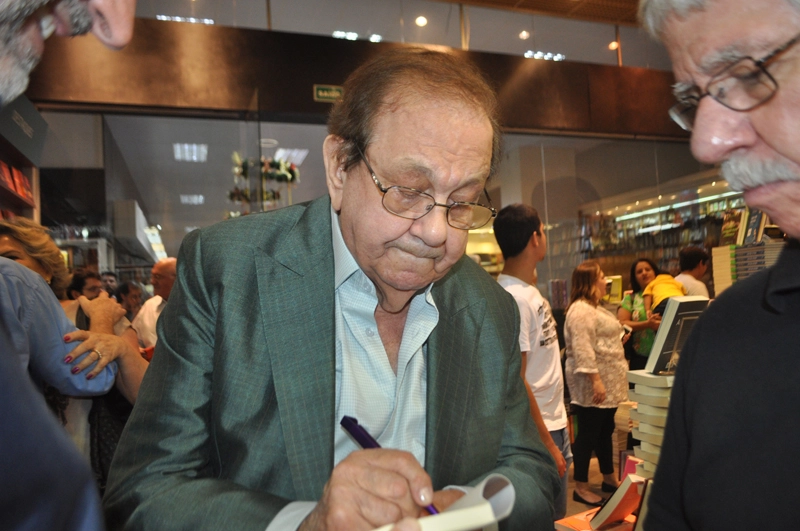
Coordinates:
193	199
190	152
349	35
191	20
524	35
547	56
613	45
268	143
292	156
375	38
637	203
421	21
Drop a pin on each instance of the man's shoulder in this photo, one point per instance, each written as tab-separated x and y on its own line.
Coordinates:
467	280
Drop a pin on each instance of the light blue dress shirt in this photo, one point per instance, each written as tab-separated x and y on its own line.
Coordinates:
391	407
32	329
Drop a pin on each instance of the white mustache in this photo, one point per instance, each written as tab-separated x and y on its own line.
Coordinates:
743	173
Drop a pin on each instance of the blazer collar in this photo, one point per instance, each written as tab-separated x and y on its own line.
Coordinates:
295	284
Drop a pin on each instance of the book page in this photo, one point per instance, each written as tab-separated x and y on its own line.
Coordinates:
484	505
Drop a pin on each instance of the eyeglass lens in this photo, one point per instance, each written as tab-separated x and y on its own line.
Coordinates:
741	87
412	204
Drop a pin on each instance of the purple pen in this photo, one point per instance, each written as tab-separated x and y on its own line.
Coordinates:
365	440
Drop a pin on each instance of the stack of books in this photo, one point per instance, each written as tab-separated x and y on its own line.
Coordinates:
723	260
651	393
753	258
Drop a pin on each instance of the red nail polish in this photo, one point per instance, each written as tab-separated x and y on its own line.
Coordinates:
68	359
90	377
66	338
76	370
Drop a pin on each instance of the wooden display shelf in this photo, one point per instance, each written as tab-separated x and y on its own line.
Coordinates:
10	199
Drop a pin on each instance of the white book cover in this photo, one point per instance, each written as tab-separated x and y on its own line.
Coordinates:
653	420
647	456
486	504
658	401
647	437
652	391
652	410
652	448
655	430
641	471
642	376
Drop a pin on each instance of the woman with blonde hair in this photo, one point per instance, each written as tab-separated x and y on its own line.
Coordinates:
596	373
94	424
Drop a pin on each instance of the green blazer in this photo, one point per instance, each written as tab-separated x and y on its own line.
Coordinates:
235	415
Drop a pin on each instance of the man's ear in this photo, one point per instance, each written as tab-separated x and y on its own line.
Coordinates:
334	170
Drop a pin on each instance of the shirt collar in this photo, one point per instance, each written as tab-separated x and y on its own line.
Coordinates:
344	265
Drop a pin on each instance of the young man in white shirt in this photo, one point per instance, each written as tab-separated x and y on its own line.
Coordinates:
694	263
521	237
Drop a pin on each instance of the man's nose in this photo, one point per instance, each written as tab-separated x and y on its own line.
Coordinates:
719	131
432	227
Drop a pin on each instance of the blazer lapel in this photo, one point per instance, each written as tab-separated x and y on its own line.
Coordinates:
452	373
295	282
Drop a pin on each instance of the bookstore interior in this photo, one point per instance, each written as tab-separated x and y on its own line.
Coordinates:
120	183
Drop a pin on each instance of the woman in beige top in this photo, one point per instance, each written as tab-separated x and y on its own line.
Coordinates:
596	373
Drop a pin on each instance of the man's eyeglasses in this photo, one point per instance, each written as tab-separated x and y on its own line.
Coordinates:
410	203
741	86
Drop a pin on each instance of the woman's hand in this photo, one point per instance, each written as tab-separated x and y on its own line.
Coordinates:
599	391
102	349
626	337
653	321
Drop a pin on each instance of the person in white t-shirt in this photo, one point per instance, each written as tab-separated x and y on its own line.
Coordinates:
694	263
521	237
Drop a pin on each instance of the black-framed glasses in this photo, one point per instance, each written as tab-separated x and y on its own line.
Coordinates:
740	86
410	203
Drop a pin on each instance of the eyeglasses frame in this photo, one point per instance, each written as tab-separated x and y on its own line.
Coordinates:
384	189
677	111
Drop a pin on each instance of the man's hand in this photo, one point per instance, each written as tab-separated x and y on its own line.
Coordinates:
371	488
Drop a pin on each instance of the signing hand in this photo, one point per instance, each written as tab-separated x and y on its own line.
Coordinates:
371	488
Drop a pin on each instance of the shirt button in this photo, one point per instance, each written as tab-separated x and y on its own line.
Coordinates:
370	333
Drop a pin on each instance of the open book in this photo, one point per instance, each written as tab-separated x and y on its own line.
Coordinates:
487	503
621	504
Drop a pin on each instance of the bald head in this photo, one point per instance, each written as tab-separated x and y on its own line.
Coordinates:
163	277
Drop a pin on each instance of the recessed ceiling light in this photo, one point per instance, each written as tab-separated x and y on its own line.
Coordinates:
192	199
349	35
190	152
191	20
547	56
613	45
524	35
421	21
375	38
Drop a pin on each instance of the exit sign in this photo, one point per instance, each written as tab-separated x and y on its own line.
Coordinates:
328	93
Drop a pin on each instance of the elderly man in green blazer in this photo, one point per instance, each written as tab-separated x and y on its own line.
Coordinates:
362	304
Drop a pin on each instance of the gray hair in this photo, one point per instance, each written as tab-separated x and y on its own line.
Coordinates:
653	14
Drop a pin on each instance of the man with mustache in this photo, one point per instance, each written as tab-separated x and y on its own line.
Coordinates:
360	304
25	25
45	483
729	456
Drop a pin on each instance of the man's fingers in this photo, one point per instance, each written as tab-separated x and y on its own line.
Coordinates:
417	482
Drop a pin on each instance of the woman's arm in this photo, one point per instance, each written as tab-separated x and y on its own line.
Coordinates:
625	317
